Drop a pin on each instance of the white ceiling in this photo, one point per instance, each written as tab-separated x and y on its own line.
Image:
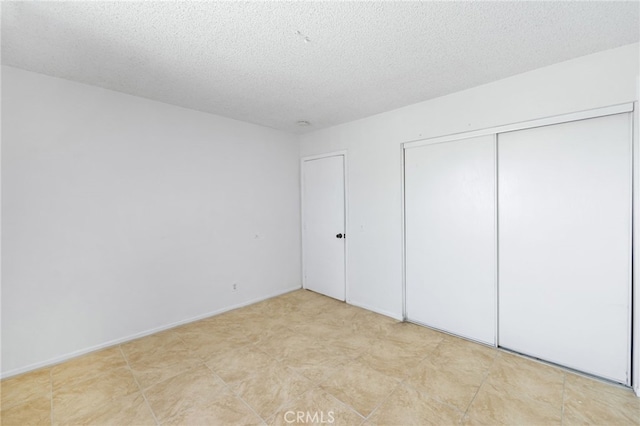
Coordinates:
250	61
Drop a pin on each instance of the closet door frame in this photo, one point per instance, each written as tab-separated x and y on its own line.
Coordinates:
634	298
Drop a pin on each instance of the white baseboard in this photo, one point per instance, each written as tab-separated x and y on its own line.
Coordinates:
393	315
75	354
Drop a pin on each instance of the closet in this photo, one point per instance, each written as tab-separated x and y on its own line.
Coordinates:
450	236
520	237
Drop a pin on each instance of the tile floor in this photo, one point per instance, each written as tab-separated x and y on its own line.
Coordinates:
303	358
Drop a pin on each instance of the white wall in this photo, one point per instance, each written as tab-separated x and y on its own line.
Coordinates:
374	152
123	215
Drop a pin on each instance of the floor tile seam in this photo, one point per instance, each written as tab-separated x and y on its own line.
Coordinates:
319	382
275	356
144	396
339	369
89	366
484	379
292	370
112	400
257	346
57	389
280	362
184	342
430	351
440	343
343	403
413	369
398	384
233	392
328	392
381	403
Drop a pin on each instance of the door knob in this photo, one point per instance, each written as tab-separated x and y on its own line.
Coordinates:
339	236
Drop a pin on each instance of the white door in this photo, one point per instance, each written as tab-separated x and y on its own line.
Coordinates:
323	222
450	237
564	244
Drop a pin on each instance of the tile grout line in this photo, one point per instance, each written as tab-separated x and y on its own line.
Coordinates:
350	407
406	383
484	379
314	385
321	389
138	384
400	382
429	395
234	393
381	402
364	419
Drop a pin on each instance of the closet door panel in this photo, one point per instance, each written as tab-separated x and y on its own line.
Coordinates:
450	237
564	244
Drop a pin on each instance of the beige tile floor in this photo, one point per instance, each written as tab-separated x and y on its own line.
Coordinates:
306	353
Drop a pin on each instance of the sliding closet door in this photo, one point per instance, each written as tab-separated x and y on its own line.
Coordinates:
450	237
564	244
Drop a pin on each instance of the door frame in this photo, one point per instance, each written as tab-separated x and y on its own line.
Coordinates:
346	231
628	107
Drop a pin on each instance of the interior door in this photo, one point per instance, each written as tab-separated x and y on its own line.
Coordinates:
323	209
564	244
450	237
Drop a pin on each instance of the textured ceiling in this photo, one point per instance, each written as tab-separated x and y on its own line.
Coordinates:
274	63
